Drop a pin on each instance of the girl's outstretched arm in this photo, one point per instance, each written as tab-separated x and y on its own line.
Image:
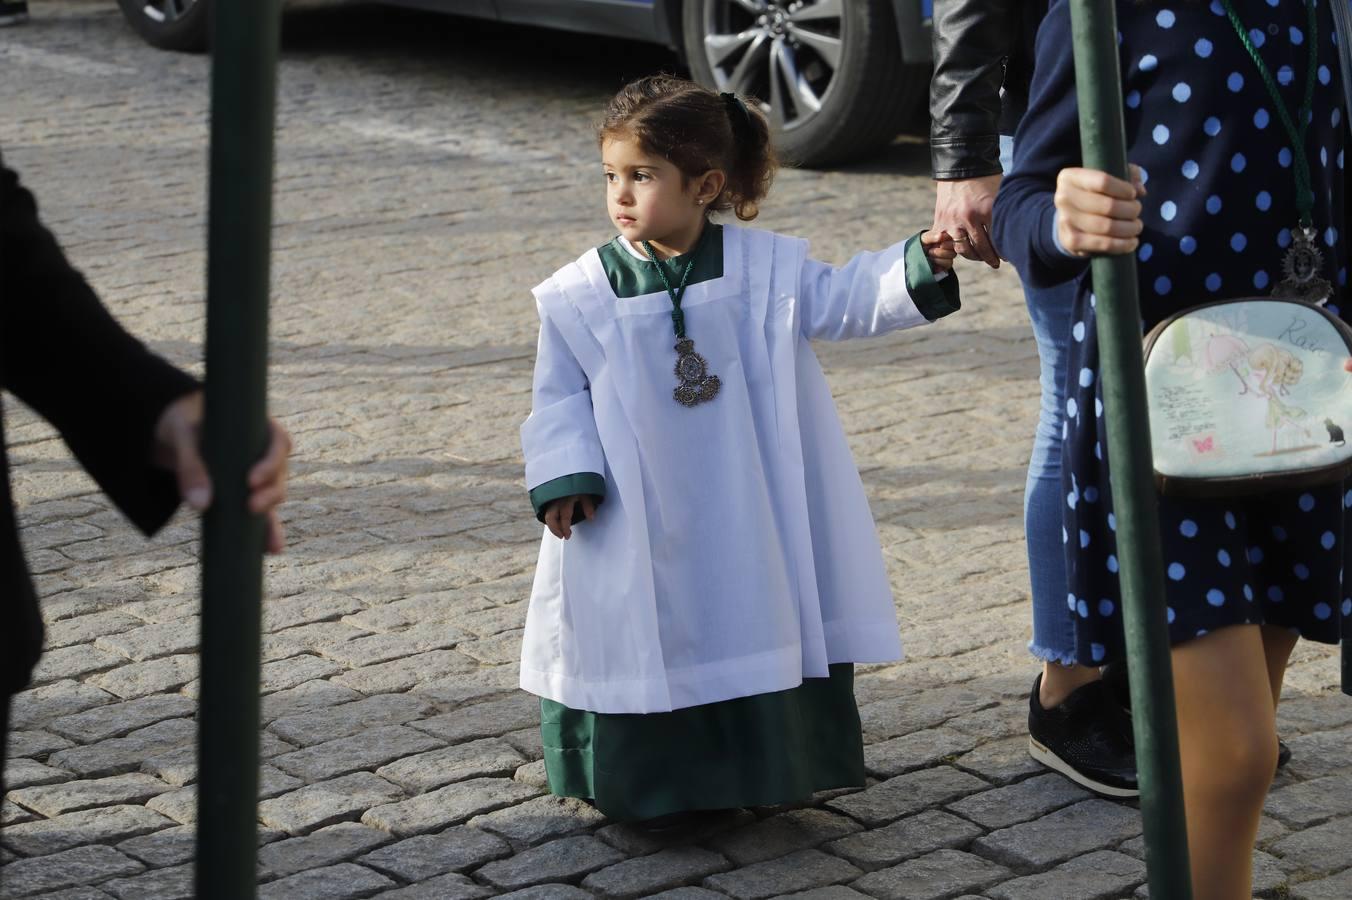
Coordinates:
907	284
1023	223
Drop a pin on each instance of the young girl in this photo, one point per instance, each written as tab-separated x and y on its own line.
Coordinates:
710	570
1231	106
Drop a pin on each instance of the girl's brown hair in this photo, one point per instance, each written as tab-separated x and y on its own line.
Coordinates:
697	130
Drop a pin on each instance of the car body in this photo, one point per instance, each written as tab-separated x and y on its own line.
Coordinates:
837	78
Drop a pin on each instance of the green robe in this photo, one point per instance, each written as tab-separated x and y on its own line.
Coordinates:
750	751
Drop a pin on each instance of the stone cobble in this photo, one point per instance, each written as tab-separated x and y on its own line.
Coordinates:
429	171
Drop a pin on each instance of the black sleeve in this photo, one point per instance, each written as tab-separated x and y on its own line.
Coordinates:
972	39
63	354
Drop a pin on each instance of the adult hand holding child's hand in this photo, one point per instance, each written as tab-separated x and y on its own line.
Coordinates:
1098	214
940	250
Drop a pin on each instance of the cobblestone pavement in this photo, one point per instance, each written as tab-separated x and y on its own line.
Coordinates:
429	171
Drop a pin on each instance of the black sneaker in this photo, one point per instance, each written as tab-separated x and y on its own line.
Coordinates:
1087	738
1115	677
12	12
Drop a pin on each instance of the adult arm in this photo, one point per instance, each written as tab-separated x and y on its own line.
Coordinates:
1023	223
972	40
64	355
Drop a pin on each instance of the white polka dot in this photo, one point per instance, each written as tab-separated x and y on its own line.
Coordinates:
1190	170
1322	611
1275	594
1238	241
1330	236
1071	499
1306	502
1302	571
1164	18
1213	204
1112	563
1261	118
1327	540
1347	607
1083	609
1286	75
1098	652
1324	75
1176	571
1112	519
1084	538
1182	91
1284	238
1336	117
1072	408
1255	554
1070	601
1230	520
1215	597
1238	162
1106	607
1098	408
1213	282
1188	244
1257	36
1090	494
1086	377
1187	528
1147	250
1149	63
1284	157
1077	331
1202	48
1163	285
1169	611
1133	99
1248	593
1160	134
1223	557
1235	82
1297	36
1263	201
1260	279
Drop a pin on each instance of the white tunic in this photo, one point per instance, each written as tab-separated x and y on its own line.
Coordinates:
734	553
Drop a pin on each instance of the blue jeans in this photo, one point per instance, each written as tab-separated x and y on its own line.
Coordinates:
1050	310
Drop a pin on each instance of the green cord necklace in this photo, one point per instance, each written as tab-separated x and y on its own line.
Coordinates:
697	385
1303	260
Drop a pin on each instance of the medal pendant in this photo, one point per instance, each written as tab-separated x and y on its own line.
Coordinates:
697	385
1301	267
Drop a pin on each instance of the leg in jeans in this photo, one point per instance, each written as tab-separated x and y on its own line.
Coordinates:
1053	629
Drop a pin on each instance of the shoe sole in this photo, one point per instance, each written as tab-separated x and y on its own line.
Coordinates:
1056	763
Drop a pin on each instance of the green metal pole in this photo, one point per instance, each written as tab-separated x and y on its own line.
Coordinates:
243	96
1098	82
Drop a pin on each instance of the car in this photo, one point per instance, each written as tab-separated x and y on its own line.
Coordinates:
838	79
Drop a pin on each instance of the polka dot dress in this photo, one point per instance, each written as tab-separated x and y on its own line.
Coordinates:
1218	214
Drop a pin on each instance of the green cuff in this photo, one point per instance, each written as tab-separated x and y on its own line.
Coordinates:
567	486
934	298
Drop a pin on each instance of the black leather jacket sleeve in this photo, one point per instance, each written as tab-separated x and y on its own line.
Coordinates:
972	40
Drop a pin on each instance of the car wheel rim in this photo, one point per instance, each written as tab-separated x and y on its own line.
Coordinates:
785	53
166	11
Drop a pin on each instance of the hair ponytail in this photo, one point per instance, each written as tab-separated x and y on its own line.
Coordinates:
698	130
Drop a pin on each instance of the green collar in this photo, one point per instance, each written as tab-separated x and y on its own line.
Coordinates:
633	277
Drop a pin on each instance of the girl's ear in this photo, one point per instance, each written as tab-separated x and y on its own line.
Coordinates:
710	185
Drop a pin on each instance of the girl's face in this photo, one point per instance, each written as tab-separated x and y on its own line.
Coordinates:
648	198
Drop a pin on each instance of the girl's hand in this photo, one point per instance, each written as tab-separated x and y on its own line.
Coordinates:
1098	214
559	514
939	249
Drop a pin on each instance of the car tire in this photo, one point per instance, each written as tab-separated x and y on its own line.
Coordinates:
844	52
170	24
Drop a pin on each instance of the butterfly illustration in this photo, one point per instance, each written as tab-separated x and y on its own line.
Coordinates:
1205	446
